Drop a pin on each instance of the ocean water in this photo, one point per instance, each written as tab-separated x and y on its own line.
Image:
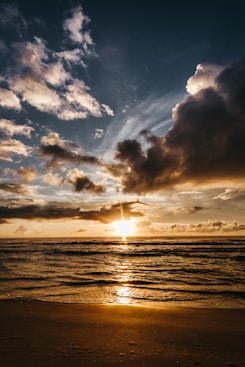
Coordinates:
205	272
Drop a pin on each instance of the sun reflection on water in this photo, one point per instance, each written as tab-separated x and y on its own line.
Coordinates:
124	291
124	295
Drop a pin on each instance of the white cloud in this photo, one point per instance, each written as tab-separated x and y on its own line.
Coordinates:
71	55
98	133
75	28
204	77
32	55
56	74
9	147
229	194
44	79
36	56
37	94
9	100
9	128
53	139
107	110
77	95
71	114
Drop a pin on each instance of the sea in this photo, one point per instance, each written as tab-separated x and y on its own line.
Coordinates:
196	272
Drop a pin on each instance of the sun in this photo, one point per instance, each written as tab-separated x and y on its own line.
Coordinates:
124	228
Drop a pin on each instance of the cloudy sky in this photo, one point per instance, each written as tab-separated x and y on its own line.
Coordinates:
111	109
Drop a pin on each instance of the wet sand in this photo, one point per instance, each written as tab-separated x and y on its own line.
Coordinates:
35	334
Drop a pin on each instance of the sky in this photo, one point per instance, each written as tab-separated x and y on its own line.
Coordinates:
114	111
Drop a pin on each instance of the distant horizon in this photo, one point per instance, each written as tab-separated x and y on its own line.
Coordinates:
133	237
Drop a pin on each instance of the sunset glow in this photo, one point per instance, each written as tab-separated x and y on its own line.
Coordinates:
124	228
103	118
122	183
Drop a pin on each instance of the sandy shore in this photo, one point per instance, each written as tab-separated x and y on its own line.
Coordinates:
35	333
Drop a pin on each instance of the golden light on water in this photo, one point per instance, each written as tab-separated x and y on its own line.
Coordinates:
124	295
124	292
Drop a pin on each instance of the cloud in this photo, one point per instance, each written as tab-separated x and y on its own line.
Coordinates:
206	142
43	78
14	188
62	151
212	226
71	55
53	179
27	174
105	214
152	113
21	230
75	28
9	128
11	17
10	147
32	212
82	230
229	194
204	77
9	100
81	182
189	210
98	133
108	214
35	92
78	96
107	109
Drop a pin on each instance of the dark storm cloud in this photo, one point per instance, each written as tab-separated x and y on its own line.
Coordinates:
105	214
14	188
207	139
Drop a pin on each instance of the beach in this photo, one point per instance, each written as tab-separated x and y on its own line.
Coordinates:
37	333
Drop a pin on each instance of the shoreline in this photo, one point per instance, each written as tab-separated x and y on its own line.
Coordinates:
42	333
150	304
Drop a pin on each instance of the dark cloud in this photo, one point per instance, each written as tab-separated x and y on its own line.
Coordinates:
81	182
62	154
85	184
32	212
61	151
205	143
105	214
108	214
14	188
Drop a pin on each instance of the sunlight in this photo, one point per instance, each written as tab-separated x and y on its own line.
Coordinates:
124	228
124	295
